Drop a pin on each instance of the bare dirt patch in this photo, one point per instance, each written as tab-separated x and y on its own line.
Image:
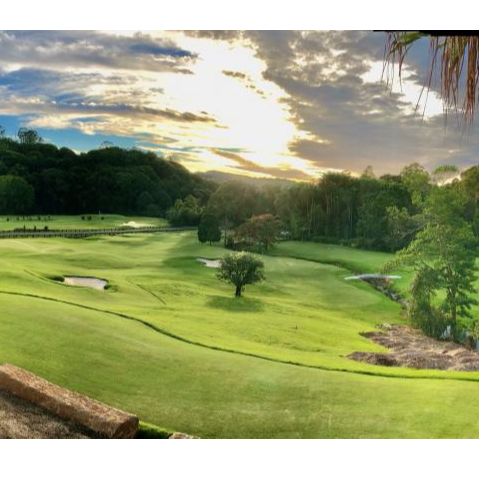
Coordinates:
20	419
413	349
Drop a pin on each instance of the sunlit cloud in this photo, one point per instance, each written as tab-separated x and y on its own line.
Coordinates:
271	104
415	97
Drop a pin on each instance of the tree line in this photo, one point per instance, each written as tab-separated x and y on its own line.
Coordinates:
379	213
39	178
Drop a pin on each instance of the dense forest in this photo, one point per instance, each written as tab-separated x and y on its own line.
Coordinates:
41	178
381	213
364	211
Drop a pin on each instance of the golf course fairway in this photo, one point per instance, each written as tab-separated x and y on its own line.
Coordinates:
167	341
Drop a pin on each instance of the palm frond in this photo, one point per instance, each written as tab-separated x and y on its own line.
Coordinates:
454	58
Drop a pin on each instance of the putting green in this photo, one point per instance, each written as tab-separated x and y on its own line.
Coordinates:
169	342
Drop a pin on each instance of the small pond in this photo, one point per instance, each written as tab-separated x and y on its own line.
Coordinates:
86	281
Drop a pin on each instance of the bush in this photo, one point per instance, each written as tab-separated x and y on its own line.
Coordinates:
185	212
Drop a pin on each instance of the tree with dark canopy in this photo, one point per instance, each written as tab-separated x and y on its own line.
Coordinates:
185	212
28	137
16	195
209	229
261	230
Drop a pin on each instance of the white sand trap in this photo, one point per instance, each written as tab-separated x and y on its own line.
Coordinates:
372	276
210	263
85	281
134	224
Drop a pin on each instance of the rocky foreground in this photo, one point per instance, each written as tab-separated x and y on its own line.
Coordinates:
70	406
20	419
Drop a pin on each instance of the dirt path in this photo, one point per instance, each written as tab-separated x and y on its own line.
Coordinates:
19	419
413	349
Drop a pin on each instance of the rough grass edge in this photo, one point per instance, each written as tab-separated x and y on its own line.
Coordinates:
150	431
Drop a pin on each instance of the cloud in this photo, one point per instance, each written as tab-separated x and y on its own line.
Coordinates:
68	49
239	75
87	101
304	102
324	77
250	166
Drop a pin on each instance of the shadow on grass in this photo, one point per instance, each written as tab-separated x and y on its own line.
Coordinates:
236	305
187	263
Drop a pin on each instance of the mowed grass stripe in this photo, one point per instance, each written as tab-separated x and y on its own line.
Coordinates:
384	372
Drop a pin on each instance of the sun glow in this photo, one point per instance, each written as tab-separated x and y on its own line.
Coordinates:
251	116
282	104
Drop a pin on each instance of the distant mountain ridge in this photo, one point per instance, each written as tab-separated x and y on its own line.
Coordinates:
221	177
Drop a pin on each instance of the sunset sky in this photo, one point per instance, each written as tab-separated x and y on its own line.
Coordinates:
275	104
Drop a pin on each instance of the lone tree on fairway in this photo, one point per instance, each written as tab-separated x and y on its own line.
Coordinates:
209	229
240	269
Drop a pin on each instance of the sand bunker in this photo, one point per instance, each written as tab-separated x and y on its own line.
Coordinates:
134	224
86	281
413	349
210	263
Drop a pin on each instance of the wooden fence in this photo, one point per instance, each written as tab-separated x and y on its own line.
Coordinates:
83	233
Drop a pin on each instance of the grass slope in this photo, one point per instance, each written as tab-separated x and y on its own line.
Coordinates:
169	342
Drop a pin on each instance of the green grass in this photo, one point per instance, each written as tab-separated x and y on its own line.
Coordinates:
355	260
170	343
75	222
151	431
